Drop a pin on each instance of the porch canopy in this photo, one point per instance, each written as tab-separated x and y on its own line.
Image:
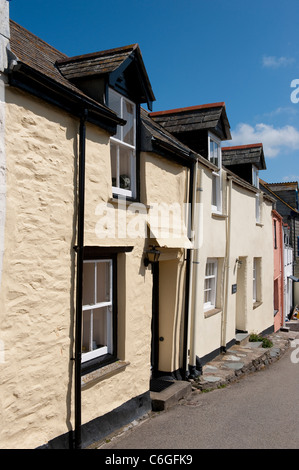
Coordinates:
170	237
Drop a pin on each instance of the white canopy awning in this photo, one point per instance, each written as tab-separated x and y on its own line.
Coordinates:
174	237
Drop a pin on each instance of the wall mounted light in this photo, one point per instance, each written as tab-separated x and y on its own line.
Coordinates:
151	256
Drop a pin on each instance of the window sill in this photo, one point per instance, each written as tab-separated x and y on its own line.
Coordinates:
259	224
213	311
218	215
256	304
126	201
103	373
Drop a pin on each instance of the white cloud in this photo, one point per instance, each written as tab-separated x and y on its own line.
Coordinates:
274	140
275	62
290	178
288	110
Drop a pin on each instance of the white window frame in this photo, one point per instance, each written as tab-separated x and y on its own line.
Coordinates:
107	349
212	289
119	143
216	175
255	177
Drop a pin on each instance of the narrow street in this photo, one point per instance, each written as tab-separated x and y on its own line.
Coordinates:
260	411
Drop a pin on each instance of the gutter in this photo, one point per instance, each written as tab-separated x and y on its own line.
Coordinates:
79	250
188	290
180	153
24	77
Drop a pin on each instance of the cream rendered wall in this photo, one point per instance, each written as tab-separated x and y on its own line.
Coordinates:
166	182
109	223
253	240
38	284
37	291
161	181
212	244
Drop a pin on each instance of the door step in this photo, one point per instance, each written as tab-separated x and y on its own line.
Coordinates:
158	385
170	396
242	338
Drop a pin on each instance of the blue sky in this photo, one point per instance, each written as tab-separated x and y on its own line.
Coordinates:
245	53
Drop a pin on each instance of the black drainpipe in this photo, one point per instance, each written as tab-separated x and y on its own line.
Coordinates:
79	251
187	289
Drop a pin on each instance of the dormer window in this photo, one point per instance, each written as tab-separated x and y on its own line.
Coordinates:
215	158
123	146
255	176
214	151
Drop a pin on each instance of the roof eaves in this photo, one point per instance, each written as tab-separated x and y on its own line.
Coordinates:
174	144
266	186
187	109
47	88
93	55
237	147
248	147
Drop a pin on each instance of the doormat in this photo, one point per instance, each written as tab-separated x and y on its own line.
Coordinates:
158	385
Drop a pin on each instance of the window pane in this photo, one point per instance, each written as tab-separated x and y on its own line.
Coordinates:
88	284
207	290
99	328
86	336
125	168
210	284
211	150
115	105
114	102
210	268
97	331
103	282
128	115
214	153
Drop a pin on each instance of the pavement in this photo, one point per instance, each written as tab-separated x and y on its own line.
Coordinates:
242	358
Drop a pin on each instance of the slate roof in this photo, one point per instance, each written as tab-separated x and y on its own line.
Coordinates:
52	64
285	186
240	154
95	63
154	135
209	116
98	63
39	55
271	187
106	62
